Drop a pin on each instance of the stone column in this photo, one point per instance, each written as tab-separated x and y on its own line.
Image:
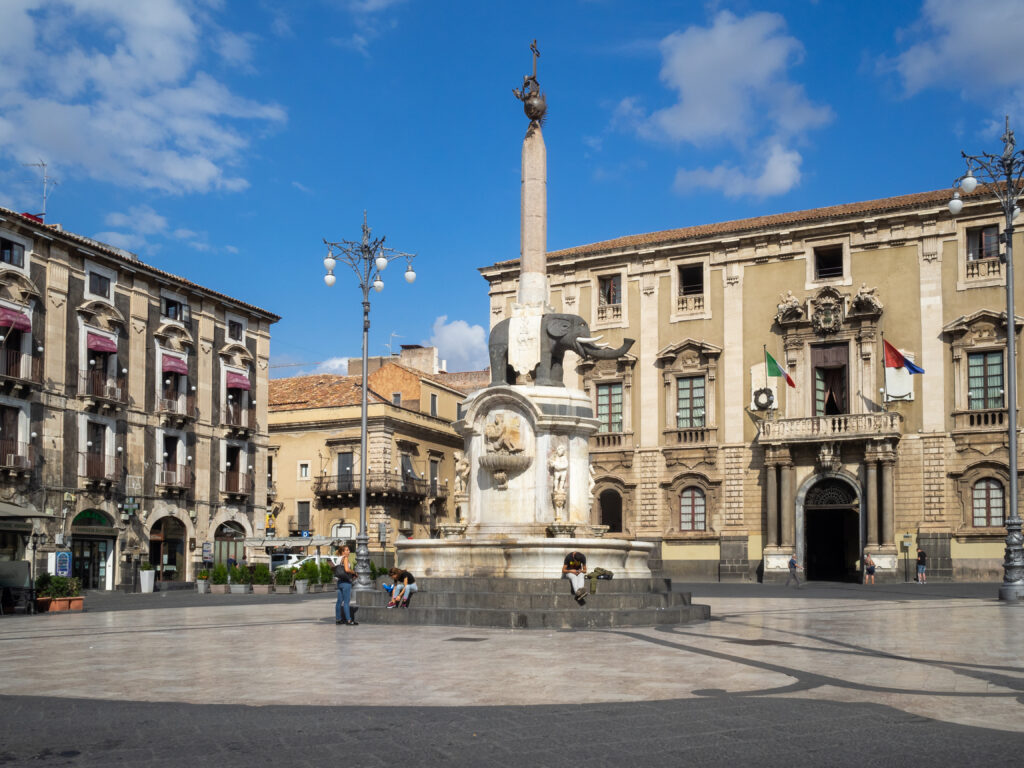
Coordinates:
887	522
788	507
533	224
872	505
772	491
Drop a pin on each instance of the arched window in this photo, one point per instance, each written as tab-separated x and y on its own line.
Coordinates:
988	502
692	514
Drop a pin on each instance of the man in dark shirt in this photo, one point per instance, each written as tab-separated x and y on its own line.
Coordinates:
922	562
573	568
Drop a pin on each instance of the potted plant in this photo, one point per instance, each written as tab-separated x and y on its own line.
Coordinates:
326	574
303	580
64	593
283	579
203	582
219	579
147	576
313	574
43	598
240	580
261	578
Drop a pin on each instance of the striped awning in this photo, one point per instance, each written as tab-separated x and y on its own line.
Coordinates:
11	318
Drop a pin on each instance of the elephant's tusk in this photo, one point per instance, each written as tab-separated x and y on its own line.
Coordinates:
602	345
589	340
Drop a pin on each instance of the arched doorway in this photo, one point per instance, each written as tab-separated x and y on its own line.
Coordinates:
167	549
611	510
832	531
92	549
228	543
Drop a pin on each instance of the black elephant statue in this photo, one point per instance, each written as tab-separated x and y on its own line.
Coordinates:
558	334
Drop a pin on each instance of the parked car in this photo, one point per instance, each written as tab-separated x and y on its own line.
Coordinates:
284	560
332	559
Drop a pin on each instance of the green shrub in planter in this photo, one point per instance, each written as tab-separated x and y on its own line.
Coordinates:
202	575
240	575
220	574
283	577
58	586
43	584
145	565
309	572
261	574
326	572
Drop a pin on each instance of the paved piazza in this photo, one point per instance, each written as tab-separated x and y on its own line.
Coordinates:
834	674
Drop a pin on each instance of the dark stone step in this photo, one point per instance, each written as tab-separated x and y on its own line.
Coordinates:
513	601
581	617
537	586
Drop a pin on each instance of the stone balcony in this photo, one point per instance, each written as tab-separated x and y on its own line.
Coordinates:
612	441
838	428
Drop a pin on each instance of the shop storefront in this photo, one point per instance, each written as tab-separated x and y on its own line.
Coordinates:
167	549
93	545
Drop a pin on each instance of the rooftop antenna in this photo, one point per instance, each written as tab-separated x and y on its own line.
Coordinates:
47	182
391	339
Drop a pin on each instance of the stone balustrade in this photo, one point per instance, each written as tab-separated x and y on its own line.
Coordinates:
847	426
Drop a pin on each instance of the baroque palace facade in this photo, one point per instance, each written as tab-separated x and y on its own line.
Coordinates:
133	411
731	471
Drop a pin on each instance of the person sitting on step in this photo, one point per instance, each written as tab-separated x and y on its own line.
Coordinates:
405	585
573	568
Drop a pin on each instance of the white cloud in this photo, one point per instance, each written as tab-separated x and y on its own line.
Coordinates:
302	187
974	49
140	218
114	91
464	346
780	173
370	21
125	240
338	365
748	102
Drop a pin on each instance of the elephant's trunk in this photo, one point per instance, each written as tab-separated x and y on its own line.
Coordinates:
601	353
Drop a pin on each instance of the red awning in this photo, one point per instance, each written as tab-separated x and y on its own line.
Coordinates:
175	365
10	318
98	343
237	381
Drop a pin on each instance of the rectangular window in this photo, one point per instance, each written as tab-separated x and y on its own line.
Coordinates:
396	398
12	253
689	402
828	262
173	309
830	363
609	407
692	510
303	470
984	380
99	285
983	243
691	289
609	290
234	330
433	404
302	513
988	503
435	471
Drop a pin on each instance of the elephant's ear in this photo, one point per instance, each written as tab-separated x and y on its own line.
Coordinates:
558	328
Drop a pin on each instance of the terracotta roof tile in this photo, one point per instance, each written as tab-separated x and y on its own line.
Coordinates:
317	391
741	226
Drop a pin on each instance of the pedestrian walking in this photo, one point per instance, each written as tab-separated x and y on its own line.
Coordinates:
343	573
869	570
793	565
922	564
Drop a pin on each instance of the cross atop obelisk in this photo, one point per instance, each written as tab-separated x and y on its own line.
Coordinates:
533	224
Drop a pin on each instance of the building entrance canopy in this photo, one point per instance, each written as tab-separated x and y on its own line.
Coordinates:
295	541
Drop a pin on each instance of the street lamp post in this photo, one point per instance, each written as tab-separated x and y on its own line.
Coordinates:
1001	175
367	258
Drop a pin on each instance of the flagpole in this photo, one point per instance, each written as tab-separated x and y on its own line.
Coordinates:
885	385
764	349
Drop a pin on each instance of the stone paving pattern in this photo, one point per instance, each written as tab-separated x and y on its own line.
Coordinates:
827	675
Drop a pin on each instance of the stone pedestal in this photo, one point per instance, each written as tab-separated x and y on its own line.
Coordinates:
528	451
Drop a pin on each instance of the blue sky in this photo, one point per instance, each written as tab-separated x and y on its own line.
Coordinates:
223	140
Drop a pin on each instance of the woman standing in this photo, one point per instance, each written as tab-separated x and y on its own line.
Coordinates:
343	573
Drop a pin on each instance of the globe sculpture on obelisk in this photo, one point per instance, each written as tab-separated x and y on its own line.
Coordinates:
524	478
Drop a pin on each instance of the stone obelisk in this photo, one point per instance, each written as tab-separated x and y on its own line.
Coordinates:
533	224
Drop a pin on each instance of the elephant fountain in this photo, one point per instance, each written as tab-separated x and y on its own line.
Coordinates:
559	333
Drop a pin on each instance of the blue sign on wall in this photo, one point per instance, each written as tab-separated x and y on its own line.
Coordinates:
63	564
305	534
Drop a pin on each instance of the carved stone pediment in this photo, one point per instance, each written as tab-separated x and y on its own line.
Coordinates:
606	368
790	309
827	311
174	336
705	457
235	354
688	353
984	327
17	288
104	316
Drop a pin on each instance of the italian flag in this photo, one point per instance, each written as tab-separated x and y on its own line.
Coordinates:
774	369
